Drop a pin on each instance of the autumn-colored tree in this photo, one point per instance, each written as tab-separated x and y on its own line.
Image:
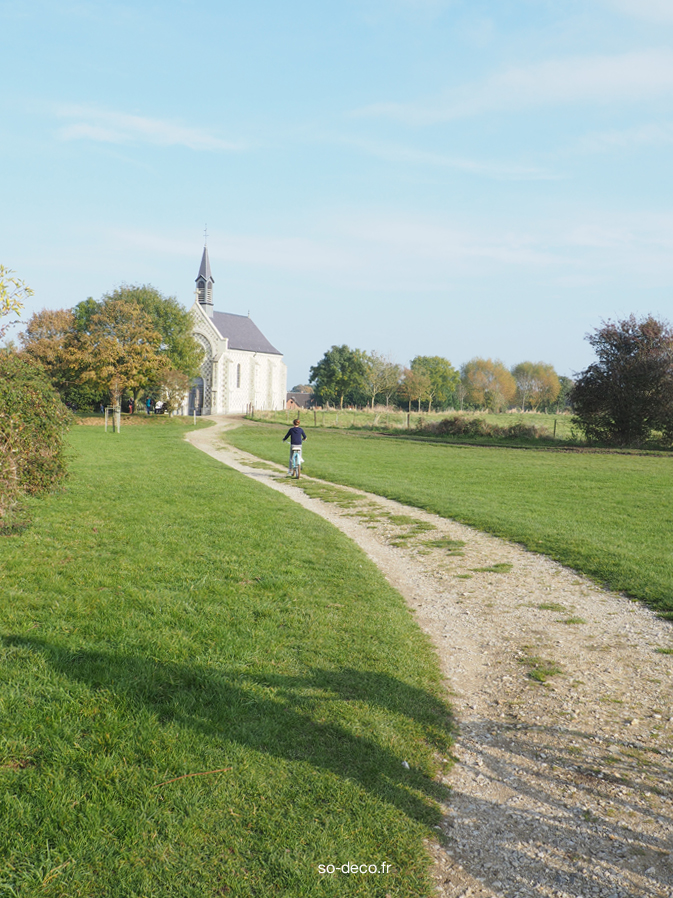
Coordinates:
44	341
172	322
382	375
120	351
172	386
488	384
414	387
443	378
536	383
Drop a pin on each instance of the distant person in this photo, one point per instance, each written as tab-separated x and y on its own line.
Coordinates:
148	405
297	437
130	406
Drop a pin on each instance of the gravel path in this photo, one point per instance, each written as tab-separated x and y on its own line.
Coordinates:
562	692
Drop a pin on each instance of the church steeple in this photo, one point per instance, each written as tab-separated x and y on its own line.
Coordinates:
204	284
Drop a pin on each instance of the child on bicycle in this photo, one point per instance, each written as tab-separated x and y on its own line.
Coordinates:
297	437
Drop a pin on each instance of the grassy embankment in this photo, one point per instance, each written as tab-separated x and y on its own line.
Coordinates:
396	420
608	515
163	617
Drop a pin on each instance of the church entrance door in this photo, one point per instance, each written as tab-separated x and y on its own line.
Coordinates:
196	396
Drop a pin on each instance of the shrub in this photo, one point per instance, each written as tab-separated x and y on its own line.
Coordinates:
458	425
33	423
626	396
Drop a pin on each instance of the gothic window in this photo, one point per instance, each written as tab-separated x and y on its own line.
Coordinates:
238	375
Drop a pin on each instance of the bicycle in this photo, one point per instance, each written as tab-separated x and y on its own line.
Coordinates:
295	462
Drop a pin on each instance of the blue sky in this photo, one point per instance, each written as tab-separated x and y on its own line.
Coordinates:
419	177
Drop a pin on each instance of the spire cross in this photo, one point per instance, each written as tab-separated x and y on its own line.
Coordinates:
205	236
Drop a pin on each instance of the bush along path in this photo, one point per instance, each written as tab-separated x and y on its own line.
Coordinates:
563	693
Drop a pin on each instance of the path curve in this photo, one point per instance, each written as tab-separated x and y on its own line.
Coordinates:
562	788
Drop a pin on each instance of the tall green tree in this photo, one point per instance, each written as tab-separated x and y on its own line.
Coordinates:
121	351
171	321
566	388
628	392
443	378
126	341
339	376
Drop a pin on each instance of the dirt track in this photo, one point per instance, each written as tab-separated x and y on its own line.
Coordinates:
562	787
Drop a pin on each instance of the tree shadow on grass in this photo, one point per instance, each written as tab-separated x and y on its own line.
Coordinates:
288	717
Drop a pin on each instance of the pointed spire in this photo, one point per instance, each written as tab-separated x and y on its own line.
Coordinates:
204	284
204	270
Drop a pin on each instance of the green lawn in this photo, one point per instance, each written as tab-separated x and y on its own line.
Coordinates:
608	515
165	616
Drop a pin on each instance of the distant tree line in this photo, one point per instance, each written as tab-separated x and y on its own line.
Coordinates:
346	376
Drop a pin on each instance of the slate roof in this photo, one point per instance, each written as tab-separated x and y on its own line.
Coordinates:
204	270
242	332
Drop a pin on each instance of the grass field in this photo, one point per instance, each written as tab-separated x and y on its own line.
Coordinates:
164	617
394	419
607	515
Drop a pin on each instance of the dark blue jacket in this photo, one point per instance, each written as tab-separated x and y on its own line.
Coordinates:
297	434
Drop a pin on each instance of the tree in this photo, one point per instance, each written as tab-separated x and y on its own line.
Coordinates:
171	321
381	376
33	422
173	386
536	383
52	339
302	388
13	292
339	375
488	384
628	392
390	381
563	398
414	387
120	351
443	378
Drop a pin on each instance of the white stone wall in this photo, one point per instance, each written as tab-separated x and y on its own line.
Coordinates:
263	377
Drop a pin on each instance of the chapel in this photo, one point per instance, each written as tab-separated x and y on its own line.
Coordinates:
241	370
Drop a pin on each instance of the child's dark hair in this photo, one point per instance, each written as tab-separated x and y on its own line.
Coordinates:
296	422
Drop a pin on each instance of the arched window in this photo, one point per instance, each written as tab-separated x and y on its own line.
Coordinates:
238	375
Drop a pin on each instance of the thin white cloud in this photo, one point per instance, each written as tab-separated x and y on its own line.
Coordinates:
500	171
651	10
628	77
653	135
299	254
105	126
